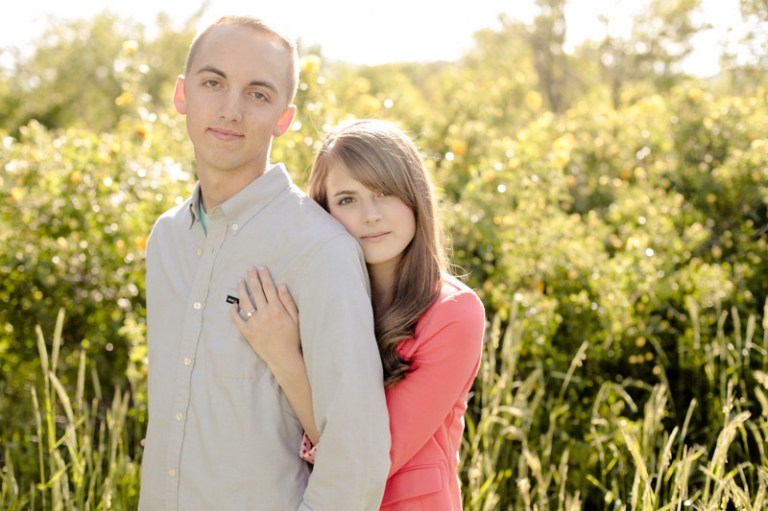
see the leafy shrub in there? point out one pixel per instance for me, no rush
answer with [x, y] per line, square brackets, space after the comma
[616, 244]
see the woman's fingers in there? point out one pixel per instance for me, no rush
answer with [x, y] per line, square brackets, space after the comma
[257, 291]
[267, 285]
[246, 304]
[237, 319]
[287, 300]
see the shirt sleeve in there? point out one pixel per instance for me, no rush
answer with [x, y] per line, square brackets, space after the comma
[444, 366]
[345, 373]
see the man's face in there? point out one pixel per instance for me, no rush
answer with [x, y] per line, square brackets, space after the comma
[235, 99]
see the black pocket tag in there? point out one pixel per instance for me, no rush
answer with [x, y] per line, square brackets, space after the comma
[232, 299]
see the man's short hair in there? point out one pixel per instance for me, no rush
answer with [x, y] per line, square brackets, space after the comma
[260, 26]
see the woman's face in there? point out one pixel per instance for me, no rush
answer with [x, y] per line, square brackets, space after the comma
[382, 224]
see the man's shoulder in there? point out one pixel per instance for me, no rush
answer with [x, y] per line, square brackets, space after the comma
[175, 214]
[308, 217]
[168, 224]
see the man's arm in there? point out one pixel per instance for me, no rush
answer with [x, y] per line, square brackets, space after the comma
[344, 367]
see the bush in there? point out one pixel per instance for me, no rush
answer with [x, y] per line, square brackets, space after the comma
[616, 245]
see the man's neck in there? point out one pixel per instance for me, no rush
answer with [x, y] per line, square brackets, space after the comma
[219, 187]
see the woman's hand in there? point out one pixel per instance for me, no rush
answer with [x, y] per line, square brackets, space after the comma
[271, 323]
[271, 326]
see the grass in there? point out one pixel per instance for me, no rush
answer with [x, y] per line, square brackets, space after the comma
[82, 449]
[517, 452]
[514, 456]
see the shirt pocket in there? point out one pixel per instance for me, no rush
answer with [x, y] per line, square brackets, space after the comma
[420, 487]
[227, 352]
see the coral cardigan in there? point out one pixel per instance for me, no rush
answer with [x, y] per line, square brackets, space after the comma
[426, 409]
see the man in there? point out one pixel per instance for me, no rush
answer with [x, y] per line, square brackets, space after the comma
[221, 433]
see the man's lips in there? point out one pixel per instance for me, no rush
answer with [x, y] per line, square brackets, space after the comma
[225, 134]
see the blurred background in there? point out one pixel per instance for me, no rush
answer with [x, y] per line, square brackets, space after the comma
[603, 175]
[364, 32]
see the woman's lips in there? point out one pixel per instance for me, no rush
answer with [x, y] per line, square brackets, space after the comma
[375, 236]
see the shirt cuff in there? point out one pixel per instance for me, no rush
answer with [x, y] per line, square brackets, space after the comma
[308, 449]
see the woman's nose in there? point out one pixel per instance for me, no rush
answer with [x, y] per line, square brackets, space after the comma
[371, 213]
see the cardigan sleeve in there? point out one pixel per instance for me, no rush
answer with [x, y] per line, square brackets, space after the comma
[445, 361]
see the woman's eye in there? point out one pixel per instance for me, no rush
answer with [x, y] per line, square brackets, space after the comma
[345, 201]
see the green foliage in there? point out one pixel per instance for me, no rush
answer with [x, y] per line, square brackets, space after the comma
[616, 243]
[75, 213]
[520, 453]
[76, 76]
[81, 456]
[652, 55]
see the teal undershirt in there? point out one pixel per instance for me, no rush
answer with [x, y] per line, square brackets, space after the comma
[203, 217]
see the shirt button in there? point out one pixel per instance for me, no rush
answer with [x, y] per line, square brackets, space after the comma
[197, 306]
[172, 473]
[200, 252]
[235, 227]
[179, 416]
[187, 361]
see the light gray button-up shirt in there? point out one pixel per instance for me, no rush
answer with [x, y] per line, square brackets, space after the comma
[221, 434]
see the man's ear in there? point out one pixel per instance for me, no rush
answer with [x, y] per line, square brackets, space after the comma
[284, 121]
[179, 96]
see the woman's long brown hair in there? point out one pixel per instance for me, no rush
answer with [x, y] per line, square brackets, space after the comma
[382, 157]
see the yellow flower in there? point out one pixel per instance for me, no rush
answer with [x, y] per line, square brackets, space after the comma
[124, 99]
[141, 242]
[458, 147]
[695, 93]
[533, 100]
[310, 63]
[130, 47]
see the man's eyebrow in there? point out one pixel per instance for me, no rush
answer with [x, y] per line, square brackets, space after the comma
[211, 69]
[265, 83]
[257, 83]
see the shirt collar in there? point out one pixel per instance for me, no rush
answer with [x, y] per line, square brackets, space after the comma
[246, 203]
[194, 206]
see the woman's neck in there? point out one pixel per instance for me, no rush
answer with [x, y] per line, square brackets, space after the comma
[383, 283]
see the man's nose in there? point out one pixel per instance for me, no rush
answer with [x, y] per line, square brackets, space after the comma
[231, 109]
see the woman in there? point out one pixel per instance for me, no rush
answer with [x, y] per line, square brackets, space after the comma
[429, 326]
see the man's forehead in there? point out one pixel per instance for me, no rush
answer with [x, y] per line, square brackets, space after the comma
[248, 53]
[222, 40]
